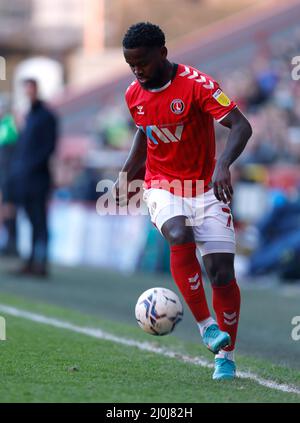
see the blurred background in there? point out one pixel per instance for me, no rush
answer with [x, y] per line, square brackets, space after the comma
[72, 48]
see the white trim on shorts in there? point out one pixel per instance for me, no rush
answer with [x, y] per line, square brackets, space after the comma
[210, 247]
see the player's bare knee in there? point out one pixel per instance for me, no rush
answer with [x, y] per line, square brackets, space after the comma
[179, 235]
[222, 276]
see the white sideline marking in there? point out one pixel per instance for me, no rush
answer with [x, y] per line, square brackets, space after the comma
[144, 346]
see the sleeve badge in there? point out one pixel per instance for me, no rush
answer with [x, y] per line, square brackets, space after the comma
[221, 98]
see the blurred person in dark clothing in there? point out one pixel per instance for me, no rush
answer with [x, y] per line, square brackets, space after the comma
[8, 138]
[30, 176]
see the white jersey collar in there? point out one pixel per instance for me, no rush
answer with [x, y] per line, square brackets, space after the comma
[157, 90]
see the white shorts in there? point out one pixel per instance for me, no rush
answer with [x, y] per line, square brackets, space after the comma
[210, 218]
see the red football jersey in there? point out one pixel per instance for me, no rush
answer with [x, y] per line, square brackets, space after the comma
[178, 122]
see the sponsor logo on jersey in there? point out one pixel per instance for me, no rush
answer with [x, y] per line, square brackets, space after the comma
[177, 106]
[221, 98]
[154, 133]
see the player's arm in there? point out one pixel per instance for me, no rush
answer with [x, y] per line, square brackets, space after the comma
[134, 163]
[240, 132]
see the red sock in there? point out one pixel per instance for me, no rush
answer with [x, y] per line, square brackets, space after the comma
[226, 303]
[186, 272]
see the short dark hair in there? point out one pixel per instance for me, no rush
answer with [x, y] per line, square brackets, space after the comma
[144, 34]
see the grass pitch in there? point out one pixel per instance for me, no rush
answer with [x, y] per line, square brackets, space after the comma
[41, 363]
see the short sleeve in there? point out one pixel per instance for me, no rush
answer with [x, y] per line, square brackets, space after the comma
[210, 98]
[127, 100]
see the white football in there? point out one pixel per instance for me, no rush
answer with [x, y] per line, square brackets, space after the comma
[158, 311]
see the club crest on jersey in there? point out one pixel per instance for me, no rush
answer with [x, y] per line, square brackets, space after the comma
[177, 106]
[221, 98]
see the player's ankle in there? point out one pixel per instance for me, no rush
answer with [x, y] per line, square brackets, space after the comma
[204, 324]
[225, 354]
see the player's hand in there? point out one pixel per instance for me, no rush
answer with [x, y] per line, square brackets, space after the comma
[222, 183]
[120, 194]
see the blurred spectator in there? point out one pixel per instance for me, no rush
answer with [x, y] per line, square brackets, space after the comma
[279, 239]
[269, 96]
[264, 90]
[30, 175]
[113, 128]
[8, 138]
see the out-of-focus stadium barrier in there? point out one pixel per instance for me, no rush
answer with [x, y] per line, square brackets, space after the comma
[78, 236]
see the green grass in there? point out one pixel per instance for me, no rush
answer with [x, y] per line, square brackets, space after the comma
[266, 313]
[40, 363]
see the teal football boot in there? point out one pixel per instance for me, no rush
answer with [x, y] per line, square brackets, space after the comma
[225, 369]
[215, 339]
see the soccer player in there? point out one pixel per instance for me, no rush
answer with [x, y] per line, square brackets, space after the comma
[173, 106]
